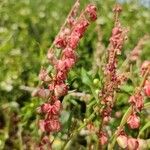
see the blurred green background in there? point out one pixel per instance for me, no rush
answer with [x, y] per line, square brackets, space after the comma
[27, 29]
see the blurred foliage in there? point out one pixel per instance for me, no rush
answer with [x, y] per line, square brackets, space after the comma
[27, 29]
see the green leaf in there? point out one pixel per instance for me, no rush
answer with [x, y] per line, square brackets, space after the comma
[85, 78]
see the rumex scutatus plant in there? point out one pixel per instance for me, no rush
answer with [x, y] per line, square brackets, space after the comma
[53, 87]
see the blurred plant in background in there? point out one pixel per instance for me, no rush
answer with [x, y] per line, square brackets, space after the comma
[27, 29]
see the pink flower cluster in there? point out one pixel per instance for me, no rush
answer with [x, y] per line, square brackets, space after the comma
[113, 79]
[117, 38]
[137, 103]
[137, 100]
[55, 84]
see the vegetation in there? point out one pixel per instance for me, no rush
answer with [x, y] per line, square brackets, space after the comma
[27, 30]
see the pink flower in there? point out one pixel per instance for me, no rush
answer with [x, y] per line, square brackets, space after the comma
[69, 53]
[55, 109]
[103, 138]
[133, 121]
[117, 38]
[91, 11]
[133, 144]
[60, 90]
[80, 28]
[65, 65]
[73, 41]
[147, 88]
[69, 63]
[61, 65]
[60, 42]
[51, 86]
[45, 108]
[137, 101]
[61, 75]
[106, 119]
[116, 31]
[52, 125]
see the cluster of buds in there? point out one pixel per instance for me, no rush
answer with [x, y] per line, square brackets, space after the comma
[126, 142]
[113, 78]
[56, 86]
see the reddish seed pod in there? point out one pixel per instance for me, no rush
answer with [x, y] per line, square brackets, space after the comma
[137, 101]
[52, 125]
[60, 42]
[133, 144]
[103, 138]
[133, 121]
[91, 11]
[73, 41]
[60, 90]
[55, 109]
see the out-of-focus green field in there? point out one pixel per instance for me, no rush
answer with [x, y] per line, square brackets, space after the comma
[27, 29]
